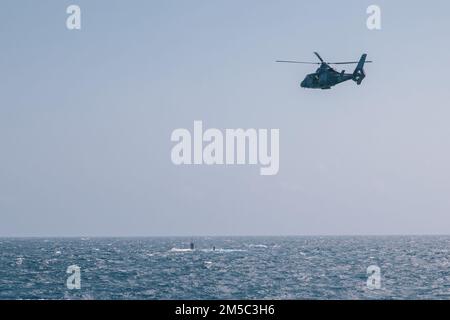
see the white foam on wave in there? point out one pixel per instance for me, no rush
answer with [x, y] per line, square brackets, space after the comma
[257, 246]
[207, 250]
[223, 250]
[181, 250]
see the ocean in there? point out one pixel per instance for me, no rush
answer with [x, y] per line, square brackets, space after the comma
[410, 267]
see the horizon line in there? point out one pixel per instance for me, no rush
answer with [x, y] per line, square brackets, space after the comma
[229, 236]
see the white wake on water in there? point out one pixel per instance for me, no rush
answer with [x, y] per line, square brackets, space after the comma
[180, 250]
[206, 250]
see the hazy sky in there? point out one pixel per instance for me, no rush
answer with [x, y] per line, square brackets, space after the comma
[86, 118]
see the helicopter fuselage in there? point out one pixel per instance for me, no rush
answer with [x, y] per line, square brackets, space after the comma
[324, 78]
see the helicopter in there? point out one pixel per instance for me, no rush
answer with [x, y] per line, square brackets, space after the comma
[326, 77]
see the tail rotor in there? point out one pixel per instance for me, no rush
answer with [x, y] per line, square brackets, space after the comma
[359, 74]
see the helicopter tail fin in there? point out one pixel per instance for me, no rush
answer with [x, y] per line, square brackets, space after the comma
[358, 74]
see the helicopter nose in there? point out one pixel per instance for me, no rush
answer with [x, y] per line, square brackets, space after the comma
[303, 83]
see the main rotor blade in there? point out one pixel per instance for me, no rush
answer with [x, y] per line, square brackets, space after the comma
[304, 62]
[289, 61]
[349, 62]
[320, 58]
